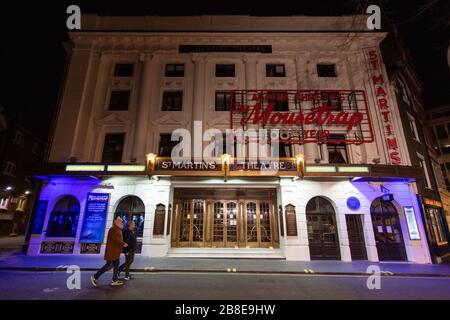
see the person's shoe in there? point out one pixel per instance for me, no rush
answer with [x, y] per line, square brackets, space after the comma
[128, 278]
[93, 281]
[116, 283]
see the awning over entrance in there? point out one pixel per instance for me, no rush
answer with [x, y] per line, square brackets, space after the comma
[285, 167]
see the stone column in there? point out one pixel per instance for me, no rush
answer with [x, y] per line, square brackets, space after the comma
[251, 83]
[198, 105]
[250, 72]
[303, 82]
[82, 121]
[98, 106]
[143, 109]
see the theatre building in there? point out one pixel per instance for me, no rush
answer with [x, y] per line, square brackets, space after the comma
[302, 150]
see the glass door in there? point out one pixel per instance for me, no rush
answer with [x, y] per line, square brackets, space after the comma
[251, 216]
[231, 224]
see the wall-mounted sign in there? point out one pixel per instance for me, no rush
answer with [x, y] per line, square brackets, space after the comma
[412, 223]
[63, 247]
[41, 209]
[90, 248]
[353, 203]
[94, 219]
[432, 202]
[381, 96]
[167, 164]
[225, 48]
[304, 115]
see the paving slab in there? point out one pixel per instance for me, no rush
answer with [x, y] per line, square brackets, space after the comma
[149, 264]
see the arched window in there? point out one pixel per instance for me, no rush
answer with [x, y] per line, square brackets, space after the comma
[379, 206]
[132, 208]
[319, 205]
[63, 220]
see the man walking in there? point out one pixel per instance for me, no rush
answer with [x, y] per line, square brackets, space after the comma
[114, 245]
[129, 237]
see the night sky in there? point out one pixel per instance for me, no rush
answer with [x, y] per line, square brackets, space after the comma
[33, 59]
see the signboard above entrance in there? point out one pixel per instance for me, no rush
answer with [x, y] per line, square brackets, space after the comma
[222, 48]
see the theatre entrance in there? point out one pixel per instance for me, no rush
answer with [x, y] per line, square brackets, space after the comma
[225, 218]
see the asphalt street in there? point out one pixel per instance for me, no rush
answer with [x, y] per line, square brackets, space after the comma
[175, 286]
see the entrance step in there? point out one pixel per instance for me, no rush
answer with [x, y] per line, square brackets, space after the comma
[263, 253]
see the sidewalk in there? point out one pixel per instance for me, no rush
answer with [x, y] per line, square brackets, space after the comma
[146, 264]
[11, 245]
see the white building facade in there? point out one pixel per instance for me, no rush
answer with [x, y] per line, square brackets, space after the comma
[132, 81]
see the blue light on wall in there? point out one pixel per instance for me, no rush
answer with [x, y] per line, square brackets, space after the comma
[353, 203]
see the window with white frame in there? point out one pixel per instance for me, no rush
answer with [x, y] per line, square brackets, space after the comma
[18, 138]
[9, 169]
[423, 165]
[413, 127]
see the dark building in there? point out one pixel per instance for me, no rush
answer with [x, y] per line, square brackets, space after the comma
[20, 152]
[408, 93]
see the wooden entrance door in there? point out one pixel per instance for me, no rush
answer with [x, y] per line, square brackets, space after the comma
[387, 231]
[191, 225]
[225, 223]
[356, 237]
[322, 230]
[231, 221]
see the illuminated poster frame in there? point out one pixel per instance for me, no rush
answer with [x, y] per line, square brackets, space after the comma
[413, 229]
[94, 220]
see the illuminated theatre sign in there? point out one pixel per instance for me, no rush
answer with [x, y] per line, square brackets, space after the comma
[303, 116]
[381, 95]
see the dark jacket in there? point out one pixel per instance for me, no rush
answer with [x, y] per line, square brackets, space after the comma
[129, 237]
[114, 244]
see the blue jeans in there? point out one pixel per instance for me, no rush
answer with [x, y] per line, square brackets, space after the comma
[114, 264]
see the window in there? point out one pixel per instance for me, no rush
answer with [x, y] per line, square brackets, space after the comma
[326, 70]
[425, 170]
[412, 127]
[280, 99]
[63, 221]
[445, 150]
[35, 149]
[172, 100]
[285, 149]
[225, 70]
[436, 224]
[132, 208]
[223, 101]
[18, 138]
[331, 99]
[113, 147]
[440, 132]
[174, 70]
[166, 145]
[123, 70]
[448, 126]
[9, 169]
[337, 151]
[275, 70]
[119, 100]
[436, 115]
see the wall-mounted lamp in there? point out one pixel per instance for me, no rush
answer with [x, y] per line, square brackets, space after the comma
[300, 164]
[226, 160]
[151, 162]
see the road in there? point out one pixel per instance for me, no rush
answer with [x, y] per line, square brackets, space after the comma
[174, 286]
